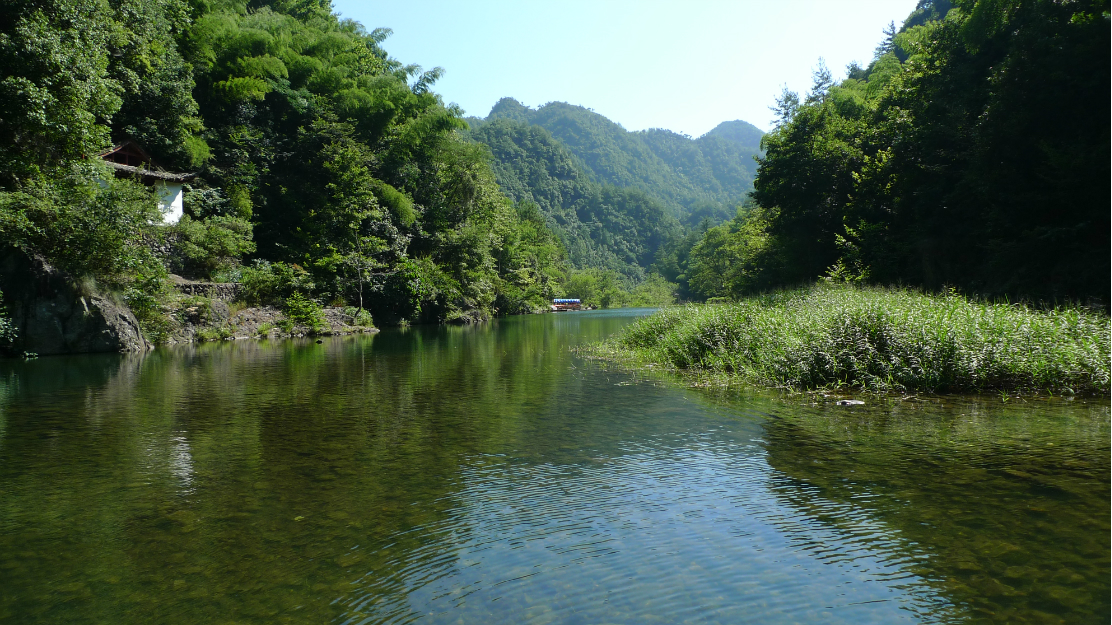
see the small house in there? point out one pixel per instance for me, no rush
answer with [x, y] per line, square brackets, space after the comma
[131, 161]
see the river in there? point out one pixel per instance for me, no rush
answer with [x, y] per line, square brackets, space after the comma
[488, 474]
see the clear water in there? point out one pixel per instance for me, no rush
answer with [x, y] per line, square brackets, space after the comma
[489, 475]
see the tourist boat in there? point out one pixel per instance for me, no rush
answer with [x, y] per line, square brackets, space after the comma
[560, 305]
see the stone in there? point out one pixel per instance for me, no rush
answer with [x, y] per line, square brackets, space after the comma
[54, 314]
[849, 402]
[221, 291]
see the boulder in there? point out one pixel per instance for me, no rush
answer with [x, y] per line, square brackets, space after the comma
[53, 314]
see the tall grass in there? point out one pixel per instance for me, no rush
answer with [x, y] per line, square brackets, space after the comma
[879, 340]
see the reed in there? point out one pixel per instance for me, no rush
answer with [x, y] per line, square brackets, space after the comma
[878, 339]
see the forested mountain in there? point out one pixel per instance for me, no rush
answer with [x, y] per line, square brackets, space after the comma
[738, 131]
[972, 152]
[619, 201]
[684, 174]
[601, 226]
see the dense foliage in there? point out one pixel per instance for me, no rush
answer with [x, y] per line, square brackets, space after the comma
[7, 330]
[681, 173]
[315, 153]
[968, 153]
[972, 152]
[627, 203]
[601, 227]
[838, 335]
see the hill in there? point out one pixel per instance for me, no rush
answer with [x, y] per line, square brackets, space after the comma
[707, 176]
[738, 131]
[601, 226]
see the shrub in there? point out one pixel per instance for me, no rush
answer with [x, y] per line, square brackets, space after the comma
[303, 311]
[359, 316]
[196, 310]
[8, 332]
[272, 283]
[880, 339]
[145, 297]
[214, 334]
[208, 247]
[87, 223]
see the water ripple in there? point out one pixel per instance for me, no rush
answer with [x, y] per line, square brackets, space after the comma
[683, 530]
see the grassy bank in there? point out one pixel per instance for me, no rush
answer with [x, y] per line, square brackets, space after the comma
[878, 340]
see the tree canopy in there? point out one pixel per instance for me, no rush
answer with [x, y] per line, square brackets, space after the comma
[312, 148]
[970, 153]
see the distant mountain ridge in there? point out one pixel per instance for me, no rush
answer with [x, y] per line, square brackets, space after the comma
[613, 196]
[738, 131]
[685, 175]
[601, 226]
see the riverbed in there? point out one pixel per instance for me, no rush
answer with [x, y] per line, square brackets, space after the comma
[487, 474]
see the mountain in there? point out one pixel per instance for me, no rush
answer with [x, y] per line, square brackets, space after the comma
[740, 132]
[707, 176]
[600, 225]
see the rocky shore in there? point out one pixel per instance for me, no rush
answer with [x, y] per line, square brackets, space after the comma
[53, 313]
[214, 320]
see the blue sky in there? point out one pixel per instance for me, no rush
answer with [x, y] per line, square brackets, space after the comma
[685, 66]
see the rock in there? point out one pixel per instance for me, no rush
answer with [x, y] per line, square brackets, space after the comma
[219, 322]
[53, 314]
[222, 291]
[849, 402]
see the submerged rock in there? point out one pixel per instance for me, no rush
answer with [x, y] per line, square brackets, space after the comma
[849, 402]
[53, 314]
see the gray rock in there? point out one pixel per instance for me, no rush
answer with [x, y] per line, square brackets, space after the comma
[225, 291]
[849, 402]
[53, 314]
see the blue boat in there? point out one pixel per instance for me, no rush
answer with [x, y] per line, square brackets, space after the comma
[563, 304]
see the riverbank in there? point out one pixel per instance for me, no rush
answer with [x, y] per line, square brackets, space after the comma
[206, 319]
[875, 339]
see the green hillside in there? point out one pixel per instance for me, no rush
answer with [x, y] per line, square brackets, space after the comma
[601, 226]
[684, 174]
[738, 131]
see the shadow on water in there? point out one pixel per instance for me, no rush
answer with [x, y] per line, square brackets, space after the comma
[486, 474]
[998, 507]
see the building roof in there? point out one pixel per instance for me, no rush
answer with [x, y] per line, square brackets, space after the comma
[128, 158]
[150, 175]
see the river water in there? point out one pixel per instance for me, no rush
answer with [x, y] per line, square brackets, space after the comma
[489, 475]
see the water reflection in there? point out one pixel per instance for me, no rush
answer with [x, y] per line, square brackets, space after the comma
[1000, 502]
[487, 475]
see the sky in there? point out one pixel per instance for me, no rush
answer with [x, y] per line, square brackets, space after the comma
[681, 65]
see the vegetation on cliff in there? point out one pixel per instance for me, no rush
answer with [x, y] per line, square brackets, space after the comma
[968, 153]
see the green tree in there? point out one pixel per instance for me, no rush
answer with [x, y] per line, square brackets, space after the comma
[968, 153]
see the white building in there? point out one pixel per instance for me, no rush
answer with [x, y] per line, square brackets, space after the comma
[130, 160]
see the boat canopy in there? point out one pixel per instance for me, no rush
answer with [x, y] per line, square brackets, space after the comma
[565, 301]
